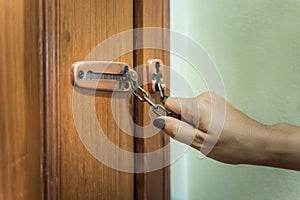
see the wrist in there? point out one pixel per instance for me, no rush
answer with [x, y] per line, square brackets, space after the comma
[269, 148]
[261, 149]
[280, 148]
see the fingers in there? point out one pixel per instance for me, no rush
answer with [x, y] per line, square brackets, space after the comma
[181, 131]
[188, 108]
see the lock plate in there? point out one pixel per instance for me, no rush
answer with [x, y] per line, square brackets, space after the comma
[100, 75]
[154, 68]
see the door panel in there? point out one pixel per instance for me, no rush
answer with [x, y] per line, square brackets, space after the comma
[79, 26]
[72, 29]
[19, 101]
[84, 24]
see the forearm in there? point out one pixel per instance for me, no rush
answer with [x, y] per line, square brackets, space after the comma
[282, 147]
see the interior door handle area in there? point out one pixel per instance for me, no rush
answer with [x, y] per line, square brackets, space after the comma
[116, 76]
[100, 75]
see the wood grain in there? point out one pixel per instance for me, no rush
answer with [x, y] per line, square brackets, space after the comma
[152, 185]
[19, 101]
[72, 30]
[50, 161]
[39, 41]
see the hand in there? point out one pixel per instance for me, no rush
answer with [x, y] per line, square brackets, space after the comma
[234, 138]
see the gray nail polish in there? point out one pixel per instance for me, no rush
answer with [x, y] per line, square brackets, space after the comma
[159, 123]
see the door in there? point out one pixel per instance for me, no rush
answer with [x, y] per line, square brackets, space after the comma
[20, 142]
[70, 30]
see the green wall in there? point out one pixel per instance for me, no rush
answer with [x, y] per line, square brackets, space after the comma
[256, 46]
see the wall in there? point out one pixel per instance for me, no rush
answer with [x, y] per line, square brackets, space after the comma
[256, 46]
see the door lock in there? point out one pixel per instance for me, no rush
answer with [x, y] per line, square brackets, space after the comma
[100, 75]
[155, 71]
[116, 76]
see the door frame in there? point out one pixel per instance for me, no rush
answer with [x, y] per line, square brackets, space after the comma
[49, 104]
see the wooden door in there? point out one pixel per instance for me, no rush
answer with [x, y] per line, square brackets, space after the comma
[42, 154]
[20, 141]
[72, 30]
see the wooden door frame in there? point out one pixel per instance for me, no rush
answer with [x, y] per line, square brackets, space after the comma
[152, 185]
[49, 102]
[50, 147]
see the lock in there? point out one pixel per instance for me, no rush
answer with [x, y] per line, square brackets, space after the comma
[100, 75]
[155, 73]
[116, 76]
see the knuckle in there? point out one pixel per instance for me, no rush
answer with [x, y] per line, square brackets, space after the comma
[204, 100]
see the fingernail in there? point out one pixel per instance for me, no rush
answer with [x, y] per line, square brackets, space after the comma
[159, 123]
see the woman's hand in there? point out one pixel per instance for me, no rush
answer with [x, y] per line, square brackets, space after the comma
[230, 137]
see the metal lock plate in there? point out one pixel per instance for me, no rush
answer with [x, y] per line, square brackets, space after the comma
[100, 75]
[155, 73]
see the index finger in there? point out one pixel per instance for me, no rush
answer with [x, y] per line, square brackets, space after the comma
[188, 108]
